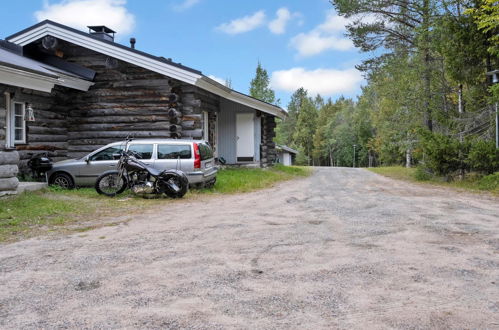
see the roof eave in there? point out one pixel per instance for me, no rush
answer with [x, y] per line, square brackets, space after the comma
[229, 94]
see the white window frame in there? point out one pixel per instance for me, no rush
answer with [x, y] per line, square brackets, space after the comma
[11, 122]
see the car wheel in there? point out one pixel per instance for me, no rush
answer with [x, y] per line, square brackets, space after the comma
[62, 180]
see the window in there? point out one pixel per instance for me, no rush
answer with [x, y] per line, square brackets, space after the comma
[143, 151]
[205, 151]
[106, 154]
[174, 151]
[16, 133]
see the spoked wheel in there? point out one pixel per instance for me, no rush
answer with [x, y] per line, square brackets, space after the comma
[110, 184]
[174, 186]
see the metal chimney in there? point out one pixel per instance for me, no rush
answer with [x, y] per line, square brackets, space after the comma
[132, 42]
[102, 32]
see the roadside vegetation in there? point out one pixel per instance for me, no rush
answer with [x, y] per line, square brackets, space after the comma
[45, 211]
[429, 96]
[473, 182]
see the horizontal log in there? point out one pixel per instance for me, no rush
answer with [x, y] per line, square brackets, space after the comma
[118, 135]
[83, 148]
[93, 142]
[119, 119]
[124, 111]
[188, 124]
[36, 138]
[9, 157]
[8, 171]
[48, 130]
[9, 184]
[49, 146]
[161, 125]
[47, 114]
[196, 133]
[163, 83]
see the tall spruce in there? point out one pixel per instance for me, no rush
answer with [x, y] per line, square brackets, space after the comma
[259, 87]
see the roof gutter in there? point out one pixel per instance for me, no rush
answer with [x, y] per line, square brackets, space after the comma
[26, 79]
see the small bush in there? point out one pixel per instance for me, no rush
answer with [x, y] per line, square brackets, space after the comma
[422, 174]
[483, 156]
[443, 154]
[489, 182]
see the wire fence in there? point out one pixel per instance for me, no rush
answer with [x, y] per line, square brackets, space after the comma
[478, 123]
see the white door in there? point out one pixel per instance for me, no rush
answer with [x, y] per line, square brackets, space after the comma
[245, 131]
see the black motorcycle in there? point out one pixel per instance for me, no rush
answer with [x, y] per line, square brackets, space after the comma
[141, 178]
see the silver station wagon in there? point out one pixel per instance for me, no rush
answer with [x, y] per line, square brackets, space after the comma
[193, 157]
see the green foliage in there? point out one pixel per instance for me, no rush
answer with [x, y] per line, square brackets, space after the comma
[259, 87]
[422, 174]
[489, 182]
[306, 126]
[442, 153]
[286, 128]
[486, 16]
[483, 156]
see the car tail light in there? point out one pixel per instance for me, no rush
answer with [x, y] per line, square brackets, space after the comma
[197, 156]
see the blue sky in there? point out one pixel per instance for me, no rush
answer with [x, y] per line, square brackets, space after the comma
[299, 42]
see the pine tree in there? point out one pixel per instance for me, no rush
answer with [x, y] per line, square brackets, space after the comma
[259, 87]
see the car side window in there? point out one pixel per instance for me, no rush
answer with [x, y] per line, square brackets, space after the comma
[205, 151]
[106, 154]
[174, 151]
[143, 151]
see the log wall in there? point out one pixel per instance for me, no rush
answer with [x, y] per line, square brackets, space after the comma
[8, 172]
[129, 100]
[268, 151]
[48, 133]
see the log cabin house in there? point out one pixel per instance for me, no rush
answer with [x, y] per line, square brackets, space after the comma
[69, 92]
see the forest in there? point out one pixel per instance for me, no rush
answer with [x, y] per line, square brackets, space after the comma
[429, 98]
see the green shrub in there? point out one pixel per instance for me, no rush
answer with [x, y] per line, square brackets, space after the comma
[422, 174]
[489, 182]
[443, 154]
[483, 156]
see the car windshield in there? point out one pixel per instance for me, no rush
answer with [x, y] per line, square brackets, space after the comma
[106, 154]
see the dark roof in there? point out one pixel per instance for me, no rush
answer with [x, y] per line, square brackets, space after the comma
[286, 148]
[100, 28]
[157, 58]
[15, 59]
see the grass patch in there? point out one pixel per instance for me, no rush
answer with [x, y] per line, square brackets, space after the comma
[35, 213]
[474, 183]
[237, 180]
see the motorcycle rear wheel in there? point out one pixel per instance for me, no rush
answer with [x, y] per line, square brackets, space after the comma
[179, 181]
[110, 184]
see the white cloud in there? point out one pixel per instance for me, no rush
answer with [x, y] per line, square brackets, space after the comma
[326, 36]
[217, 79]
[186, 4]
[278, 25]
[326, 82]
[243, 24]
[81, 13]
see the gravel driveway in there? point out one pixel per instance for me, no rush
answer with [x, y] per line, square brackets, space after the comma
[344, 248]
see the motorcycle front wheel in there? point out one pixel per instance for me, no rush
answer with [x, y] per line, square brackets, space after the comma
[110, 184]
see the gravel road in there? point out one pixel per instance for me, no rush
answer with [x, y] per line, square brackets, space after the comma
[344, 248]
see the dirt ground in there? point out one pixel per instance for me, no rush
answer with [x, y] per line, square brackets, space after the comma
[344, 248]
